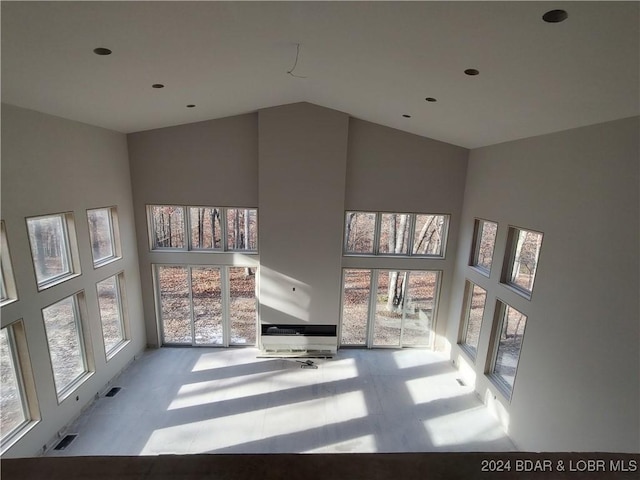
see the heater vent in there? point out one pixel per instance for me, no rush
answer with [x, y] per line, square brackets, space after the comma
[113, 392]
[65, 442]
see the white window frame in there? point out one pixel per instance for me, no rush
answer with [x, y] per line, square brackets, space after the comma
[478, 228]
[69, 251]
[412, 225]
[511, 251]
[122, 312]
[464, 321]
[6, 270]
[85, 347]
[21, 361]
[188, 243]
[114, 233]
[500, 313]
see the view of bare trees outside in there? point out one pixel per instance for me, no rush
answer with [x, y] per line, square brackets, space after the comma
[525, 259]
[484, 244]
[404, 305]
[359, 232]
[400, 233]
[101, 234]
[110, 313]
[475, 310]
[206, 229]
[242, 229]
[394, 233]
[355, 307]
[167, 226]
[242, 306]
[206, 301]
[49, 248]
[510, 344]
[429, 235]
[12, 413]
[62, 326]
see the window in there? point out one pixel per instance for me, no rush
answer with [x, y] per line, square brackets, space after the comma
[475, 298]
[210, 305]
[17, 407]
[167, 224]
[203, 228]
[400, 314]
[103, 232]
[523, 250]
[242, 229]
[508, 334]
[8, 291]
[111, 313]
[206, 231]
[65, 337]
[484, 233]
[402, 234]
[359, 232]
[54, 248]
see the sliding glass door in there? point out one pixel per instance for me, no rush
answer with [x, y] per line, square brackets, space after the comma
[399, 314]
[205, 305]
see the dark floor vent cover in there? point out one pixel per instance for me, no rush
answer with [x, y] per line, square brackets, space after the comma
[65, 442]
[113, 392]
[459, 380]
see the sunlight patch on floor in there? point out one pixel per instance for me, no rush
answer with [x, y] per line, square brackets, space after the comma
[472, 425]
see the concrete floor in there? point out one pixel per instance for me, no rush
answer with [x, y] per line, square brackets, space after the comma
[205, 400]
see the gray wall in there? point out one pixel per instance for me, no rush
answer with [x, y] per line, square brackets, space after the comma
[212, 163]
[51, 165]
[577, 386]
[303, 156]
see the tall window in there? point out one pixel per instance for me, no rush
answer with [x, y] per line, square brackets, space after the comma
[53, 248]
[521, 264]
[401, 234]
[355, 306]
[67, 350]
[475, 299]
[103, 232]
[8, 291]
[484, 233]
[203, 228]
[111, 313]
[14, 411]
[508, 334]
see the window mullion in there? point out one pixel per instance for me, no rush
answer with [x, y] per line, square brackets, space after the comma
[373, 295]
[226, 300]
[190, 283]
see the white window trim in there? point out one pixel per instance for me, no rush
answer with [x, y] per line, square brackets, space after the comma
[113, 351]
[115, 237]
[464, 322]
[478, 227]
[8, 280]
[506, 277]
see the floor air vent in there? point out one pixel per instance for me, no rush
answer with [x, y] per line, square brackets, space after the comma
[113, 392]
[65, 442]
[459, 380]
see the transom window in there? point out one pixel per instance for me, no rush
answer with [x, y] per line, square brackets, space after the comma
[484, 241]
[474, 301]
[521, 262]
[203, 228]
[66, 341]
[506, 345]
[103, 232]
[398, 234]
[54, 248]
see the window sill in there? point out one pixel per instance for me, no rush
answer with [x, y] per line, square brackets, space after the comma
[15, 437]
[482, 271]
[468, 351]
[117, 349]
[57, 281]
[504, 388]
[517, 290]
[105, 261]
[68, 391]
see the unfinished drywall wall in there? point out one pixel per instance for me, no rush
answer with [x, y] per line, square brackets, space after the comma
[577, 386]
[212, 163]
[393, 171]
[303, 156]
[52, 165]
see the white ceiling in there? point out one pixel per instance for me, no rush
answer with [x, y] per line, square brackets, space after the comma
[373, 60]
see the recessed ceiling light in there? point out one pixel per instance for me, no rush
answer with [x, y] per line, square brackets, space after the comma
[406, 116]
[157, 85]
[431, 99]
[191, 105]
[102, 51]
[555, 16]
[471, 71]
